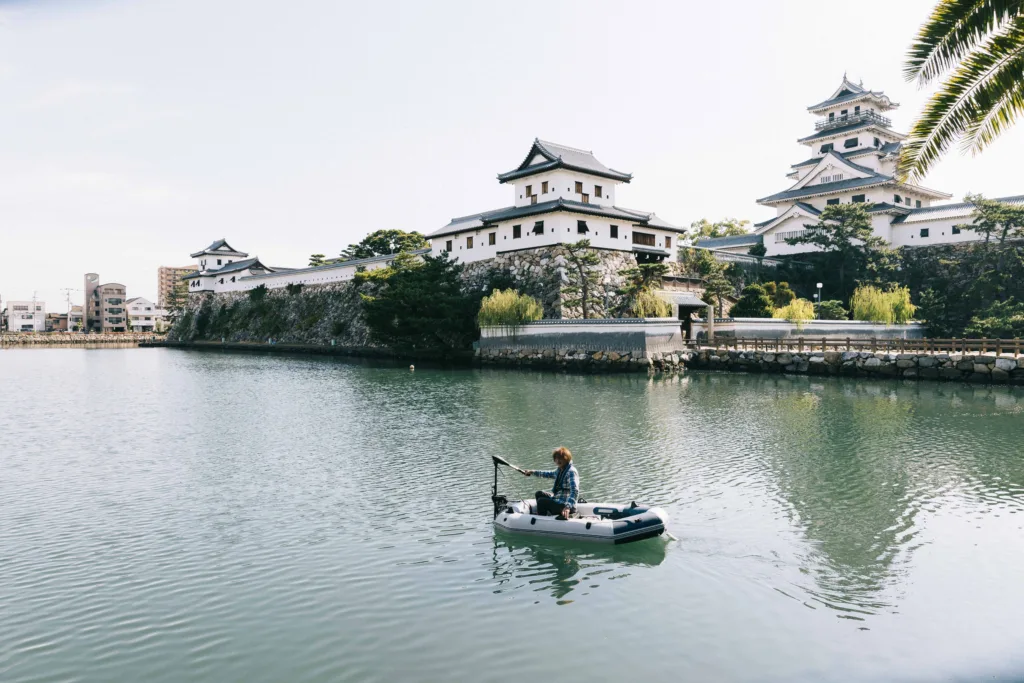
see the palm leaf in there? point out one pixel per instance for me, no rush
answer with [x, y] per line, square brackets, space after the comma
[954, 29]
[974, 104]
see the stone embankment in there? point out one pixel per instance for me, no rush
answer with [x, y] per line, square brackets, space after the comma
[580, 360]
[932, 366]
[73, 338]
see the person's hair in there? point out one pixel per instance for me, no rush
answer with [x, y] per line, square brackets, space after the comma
[564, 452]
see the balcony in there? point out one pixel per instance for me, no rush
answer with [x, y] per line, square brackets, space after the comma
[850, 119]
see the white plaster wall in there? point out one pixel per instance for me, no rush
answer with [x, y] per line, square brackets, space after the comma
[562, 184]
[939, 232]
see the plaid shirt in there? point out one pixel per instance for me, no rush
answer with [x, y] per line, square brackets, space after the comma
[566, 488]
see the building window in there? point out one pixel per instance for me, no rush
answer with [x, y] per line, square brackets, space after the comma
[856, 110]
[878, 143]
[232, 279]
[826, 148]
[956, 230]
[908, 201]
[533, 199]
[597, 190]
[544, 187]
[858, 199]
[579, 187]
[613, 232]
[538, 228]
[832, 201]
[585, 198]
[898, 199]
[492, 238]
[852, 142]
[517, 231]
[668, 241]
[917, 204]
[581, 227]
[830, 178]
[222, 280]
[844, 113]
[924, 232]
[831, 116]
[469, 242]
[643, 238]
[448, 245]
[529, 190]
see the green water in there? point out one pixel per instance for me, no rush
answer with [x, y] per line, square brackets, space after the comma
[187, 516]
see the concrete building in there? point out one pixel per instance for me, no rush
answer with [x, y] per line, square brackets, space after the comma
[560, 195]
[56, 322]
[166, 279]
[144, 315]
[76, 322]
[104, 307]
[853, 153]
[26, 316]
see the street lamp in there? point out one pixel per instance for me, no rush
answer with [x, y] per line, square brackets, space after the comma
[819, 293]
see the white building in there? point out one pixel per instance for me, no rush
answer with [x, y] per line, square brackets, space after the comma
[221, 268]
[26, 316]
[144, 315]
[561, 195]
[853, 155]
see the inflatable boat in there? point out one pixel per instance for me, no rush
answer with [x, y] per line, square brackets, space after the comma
[594, 522]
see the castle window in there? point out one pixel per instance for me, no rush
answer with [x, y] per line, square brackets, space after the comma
[613, 232]
[517, 231]
[448, 245]
[492, 238]
[852, 142]
[585, 198]
[643, 238]
[826, 148]
[538, 228]
[831, 202]
[533, 199]
[597, 190]
[844, 113]
[668, 241]
[218, 262]
[529, 190]
[956, 230]
[581, 227]
[544, 187]
[858, 199]
[469, 242]
[924, 232]
[579, 187]
[232, 279]
[918, 204]
[898, 199]
[222, 280]
[856, 110]
[878, 143]
[831, 116]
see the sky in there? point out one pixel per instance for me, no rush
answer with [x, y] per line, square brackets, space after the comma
[133, 133]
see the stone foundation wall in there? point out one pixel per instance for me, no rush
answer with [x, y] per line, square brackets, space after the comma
[938, 366]
[70, 338]
[581, 360]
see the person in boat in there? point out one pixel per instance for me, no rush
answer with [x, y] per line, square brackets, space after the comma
[562, 499]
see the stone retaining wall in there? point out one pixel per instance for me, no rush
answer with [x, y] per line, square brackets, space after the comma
[66, 338]
[581, 360]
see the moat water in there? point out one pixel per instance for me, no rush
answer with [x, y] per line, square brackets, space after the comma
[172, 515]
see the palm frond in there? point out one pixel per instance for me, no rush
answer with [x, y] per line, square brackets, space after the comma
[954, 29]
[1000, 98]
[961, 106]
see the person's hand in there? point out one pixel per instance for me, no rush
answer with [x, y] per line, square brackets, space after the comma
[565, 513]
[527, 473]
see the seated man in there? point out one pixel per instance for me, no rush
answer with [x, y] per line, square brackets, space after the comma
[562, 499]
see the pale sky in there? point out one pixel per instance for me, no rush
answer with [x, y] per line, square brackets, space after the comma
[136, 132]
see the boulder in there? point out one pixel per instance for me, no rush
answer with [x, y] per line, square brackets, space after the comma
[816, 360]
[849, 355]
[768, 358]
[784, 358]
[981, 369]
[1006, 364]
[950, 373]
[612, 356]
[965, 365]
[910, 372]
[873, 363]
[905, 363]
[929, 373]
[985, 359]
[927, 361]
[1000, 375]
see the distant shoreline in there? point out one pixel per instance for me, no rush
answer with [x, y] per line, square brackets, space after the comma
[33, 339]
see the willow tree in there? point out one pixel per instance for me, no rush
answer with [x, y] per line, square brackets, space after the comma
[976, 49]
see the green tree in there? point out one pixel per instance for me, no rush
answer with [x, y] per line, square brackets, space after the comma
[176, 299]
[977, 48]
[583, 279]
[754, 302]
[701, 263]
[1000, 320]
[830, 310]
[639, 281]
[384, 242]
[758, 250]
[780, 293]
[423, 306]
[317, 260]
[728, 227]
[843, 232]
[993, 217]
[509, 308]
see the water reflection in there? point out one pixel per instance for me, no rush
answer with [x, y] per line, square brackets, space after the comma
[560, 568]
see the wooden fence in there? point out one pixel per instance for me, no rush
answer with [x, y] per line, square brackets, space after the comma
[975, 346]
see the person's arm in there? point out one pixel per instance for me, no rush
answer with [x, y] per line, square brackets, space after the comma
[574, 488]
[547, 474]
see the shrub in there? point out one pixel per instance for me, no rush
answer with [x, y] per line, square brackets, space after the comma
[508, 307]
[753, 303]
[647, 304]
[780, 293]
[293, 289]
[796, 311]
[830, 310]
[1001, 320]
[874, 305]
[258, 293]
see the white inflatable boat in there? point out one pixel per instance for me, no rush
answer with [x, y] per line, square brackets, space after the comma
[597, 522]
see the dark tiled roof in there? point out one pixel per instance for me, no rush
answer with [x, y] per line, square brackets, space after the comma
[841, 130]
[848, 91]
[732, 241]
[808, 208]
[958, 210]
[232, 267]
[561, 156]
[338, 264]
[844, 155]
[479, 220]
[217, 245]
[828, 188]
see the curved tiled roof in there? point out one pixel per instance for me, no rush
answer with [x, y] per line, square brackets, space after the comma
[731, 241]
[943, 211]
[562, 156]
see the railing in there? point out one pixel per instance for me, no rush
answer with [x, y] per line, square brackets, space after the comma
[863, 116]
[791, 234]
[873, 345]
